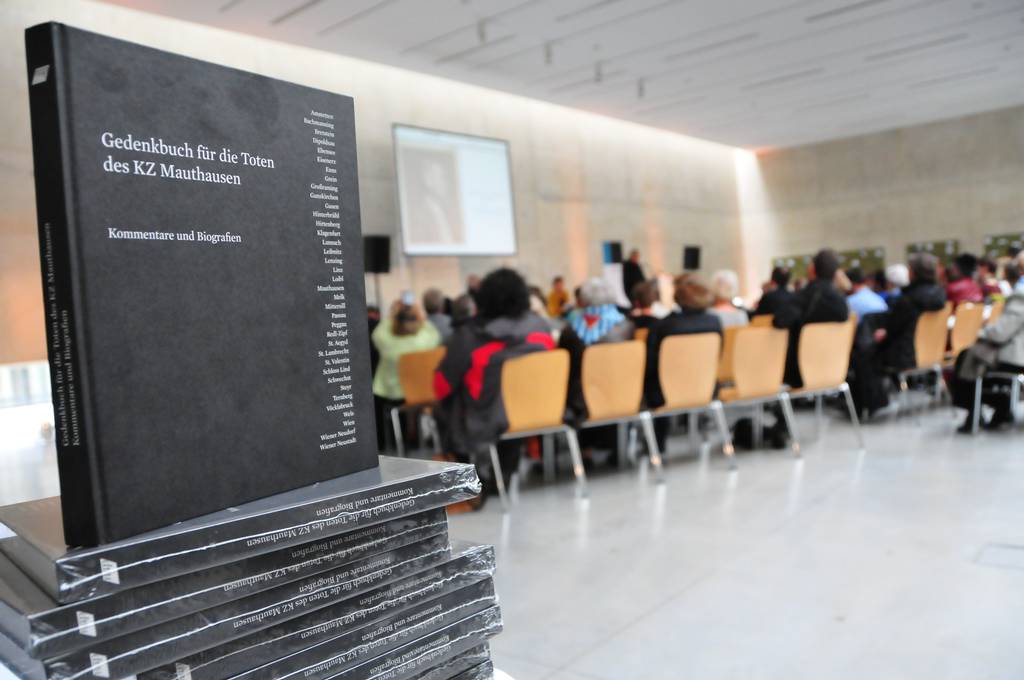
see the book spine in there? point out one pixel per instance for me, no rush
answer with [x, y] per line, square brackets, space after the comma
[472, 665]
[101, 572]
[152, 647]
[66, 629]
[48, 102]
[266, 646]
[335, 656]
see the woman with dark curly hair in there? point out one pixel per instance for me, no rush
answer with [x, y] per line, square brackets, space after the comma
[467, 384]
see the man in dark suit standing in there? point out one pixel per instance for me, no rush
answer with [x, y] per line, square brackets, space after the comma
[632, 273]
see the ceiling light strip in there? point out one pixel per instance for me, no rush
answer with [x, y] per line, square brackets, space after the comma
[362, 14]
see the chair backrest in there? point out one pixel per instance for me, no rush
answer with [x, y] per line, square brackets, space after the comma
[930, 336]
[967, 321]
[687, 369]
[416, 375]
[824, 353]
[641, 334]
[534, 388]
[995, 311]
[725, 362]
[762, 320]
[759, 361]
[613, 379]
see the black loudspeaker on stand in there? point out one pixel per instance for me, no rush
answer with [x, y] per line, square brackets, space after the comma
[377, 260]
[691, 258]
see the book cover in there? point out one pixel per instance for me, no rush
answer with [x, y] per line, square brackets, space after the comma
[472, 665]
[164, 643]
[345, 651]
[429, 651]
[202, 279]
[54, 630]
[469, 564]
[398, 487]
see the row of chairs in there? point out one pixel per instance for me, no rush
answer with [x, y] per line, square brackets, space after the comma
[535, 386]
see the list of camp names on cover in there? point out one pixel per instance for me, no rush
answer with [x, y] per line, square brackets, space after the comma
[335, 362]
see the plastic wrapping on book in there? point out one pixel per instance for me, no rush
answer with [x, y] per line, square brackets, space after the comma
[397, 488]
[336, 626]
[162, 644]
[473, 665]
[56, 630]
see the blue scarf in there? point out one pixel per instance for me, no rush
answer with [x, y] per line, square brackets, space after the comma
[593, 323]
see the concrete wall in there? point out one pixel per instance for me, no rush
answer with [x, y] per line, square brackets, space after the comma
[962, 179]
[578, 178]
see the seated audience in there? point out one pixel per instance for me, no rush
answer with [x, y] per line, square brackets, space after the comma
[897, 278]
[694, 298]
[862, 300]
[645, 298]
[538, 304]
[895, 339]
[598, 319]
[404, 332]
[473, 285]
[725, 286]
[1000, 347]
[820, 301]
[962, 287]
[433, 305]
[992, 288]
[463, 310]
[558, 298]
[467, 383]
[776, 293]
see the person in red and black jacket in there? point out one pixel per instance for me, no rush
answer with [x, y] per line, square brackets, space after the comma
[467, 383]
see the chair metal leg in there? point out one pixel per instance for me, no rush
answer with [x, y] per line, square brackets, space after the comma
[647, 423]
[757, 426]
[976, 416]
[787, 414]
[819, 416]
[845, 389]
[631, 443]
[499, 477]
[577, 460]
[723, 429]
[693, 430]
[547, 447]
[396, 425]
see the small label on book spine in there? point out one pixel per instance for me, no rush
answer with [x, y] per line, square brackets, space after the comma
[86, 624]
[108, 569]
[182, 671]
[100, 669]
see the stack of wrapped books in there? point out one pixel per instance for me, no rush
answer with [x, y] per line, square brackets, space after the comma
[352, 578]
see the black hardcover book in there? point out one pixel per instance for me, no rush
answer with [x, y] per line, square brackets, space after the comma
[152, 647]
[331, 657]
[397, 488]
[45, 629]
[203, 282]
[429, 651]
[468, 564]
[472, 665]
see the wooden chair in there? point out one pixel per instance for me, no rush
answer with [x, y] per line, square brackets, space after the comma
[687, 371]
[824, 360]
[416, 376]
[641, 334]
[995, 310]
[967, 322]
[762, 320]
[613, 389]
[725, 357]
[930, 337]
[534, 388]
[758, 368]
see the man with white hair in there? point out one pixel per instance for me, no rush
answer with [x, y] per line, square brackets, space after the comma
[598, 319]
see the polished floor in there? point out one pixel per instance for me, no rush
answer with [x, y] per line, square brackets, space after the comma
[906, 561]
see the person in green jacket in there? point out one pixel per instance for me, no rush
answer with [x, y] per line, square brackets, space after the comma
[403, 332]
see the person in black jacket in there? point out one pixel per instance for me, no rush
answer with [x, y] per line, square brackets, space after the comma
[817, 302]
[632, 273]
[777, 293]
[694, 298]
[895, 338]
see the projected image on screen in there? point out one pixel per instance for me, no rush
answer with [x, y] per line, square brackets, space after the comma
[454, 193]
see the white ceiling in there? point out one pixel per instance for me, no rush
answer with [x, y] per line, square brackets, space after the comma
[751, 73]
